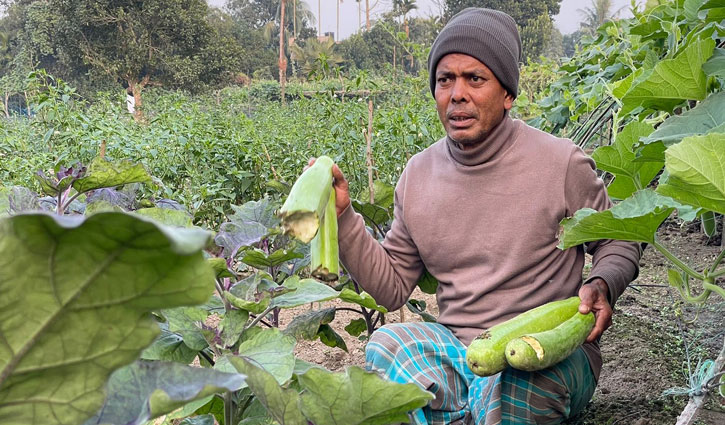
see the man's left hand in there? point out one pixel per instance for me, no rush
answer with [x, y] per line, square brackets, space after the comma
[594, 299]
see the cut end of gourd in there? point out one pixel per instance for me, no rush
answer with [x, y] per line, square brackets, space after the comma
[324, 274]
[301, 225]
[485, 335]
[534, 344]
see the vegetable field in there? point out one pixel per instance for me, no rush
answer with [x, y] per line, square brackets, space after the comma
[145, 276]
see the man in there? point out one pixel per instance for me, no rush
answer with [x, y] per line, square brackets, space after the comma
[480, 209]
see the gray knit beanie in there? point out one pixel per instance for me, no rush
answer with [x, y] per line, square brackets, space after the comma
[488, 35]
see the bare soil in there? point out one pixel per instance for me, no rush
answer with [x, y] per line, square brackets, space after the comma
[654, 339]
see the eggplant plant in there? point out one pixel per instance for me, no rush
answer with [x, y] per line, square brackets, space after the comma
[122, 304]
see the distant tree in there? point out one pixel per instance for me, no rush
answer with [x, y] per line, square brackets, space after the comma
[168, 42]
[520, 10]
[317, 59]
[599, 12]
[402, 8]
[258, 21]
[258, 14]
[371, 50]
[533, 17]
[570, 43]
[555, 48]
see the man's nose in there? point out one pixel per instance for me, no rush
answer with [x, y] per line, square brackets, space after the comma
[459, 91]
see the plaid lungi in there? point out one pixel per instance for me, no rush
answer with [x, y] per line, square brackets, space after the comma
[429, 355]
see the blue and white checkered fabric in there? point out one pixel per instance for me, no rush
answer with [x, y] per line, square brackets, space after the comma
[429, 355]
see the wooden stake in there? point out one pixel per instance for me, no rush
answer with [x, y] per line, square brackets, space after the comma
[369, 160]
[282, 57]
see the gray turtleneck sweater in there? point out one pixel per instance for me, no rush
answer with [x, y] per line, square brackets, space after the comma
[484, 222]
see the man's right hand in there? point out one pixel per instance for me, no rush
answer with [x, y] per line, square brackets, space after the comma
[339, 183]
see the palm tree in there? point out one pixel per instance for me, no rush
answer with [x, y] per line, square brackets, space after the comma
[316, 59]
[597, 14]
[402, 8]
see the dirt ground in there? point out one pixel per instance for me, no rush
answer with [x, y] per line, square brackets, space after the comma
[645, 351]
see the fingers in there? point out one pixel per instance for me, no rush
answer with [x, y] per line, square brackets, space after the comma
[340, 180]
[588, 295]
[602, 323]
[595, 300]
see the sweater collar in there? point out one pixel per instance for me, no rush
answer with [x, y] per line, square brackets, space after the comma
[489, 147]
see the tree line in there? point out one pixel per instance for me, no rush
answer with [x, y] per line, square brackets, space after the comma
[186, 44]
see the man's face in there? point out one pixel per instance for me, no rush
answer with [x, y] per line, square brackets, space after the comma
[469, 98]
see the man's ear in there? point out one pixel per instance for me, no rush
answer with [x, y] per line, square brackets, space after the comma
[508, 101]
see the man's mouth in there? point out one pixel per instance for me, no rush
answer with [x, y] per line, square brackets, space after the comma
[460, 120]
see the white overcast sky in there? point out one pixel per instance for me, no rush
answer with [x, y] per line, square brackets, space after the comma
[567, 20]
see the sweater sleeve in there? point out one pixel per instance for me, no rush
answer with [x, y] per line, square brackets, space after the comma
[388, 271]
[616, 262]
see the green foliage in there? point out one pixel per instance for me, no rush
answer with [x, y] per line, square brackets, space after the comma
[317, 59]
[90, 307]
[145, 390]
[92, 43]
[210, 152]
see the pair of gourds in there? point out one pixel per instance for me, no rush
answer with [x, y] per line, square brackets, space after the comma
[533, 340]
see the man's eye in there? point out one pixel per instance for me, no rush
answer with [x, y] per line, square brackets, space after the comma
[442, 79]
[476, 78]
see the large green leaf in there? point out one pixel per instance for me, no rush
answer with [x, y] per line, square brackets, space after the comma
[329, 337]
[716, 10]
[619, 159]
[304, 291]
[272, 350]
[384, 194]
[261, 212]
[199, 420]
[364, 299]
[187, 322]
[634, 219]
[692, 8]
[621, 87]
[315, 324]
[307, 325]
[696, 169]
[102, 173]
[259, 259]
[248, 225]
[220, 267]
[374, 215]
[4, 201]
[76, 293]
[167, 216]
[282, 403]
[253, 294]
[232, 326]
[672, 81]
[357, 397]
[427, 283]
[707, 117]
[169, 346]
[145, 390]
[715, 66]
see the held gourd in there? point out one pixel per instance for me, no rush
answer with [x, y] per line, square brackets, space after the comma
[486, 354]
[540, 350]
[305, 205]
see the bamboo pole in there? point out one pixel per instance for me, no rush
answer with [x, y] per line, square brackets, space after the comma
[369, 151]
[282, 57]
